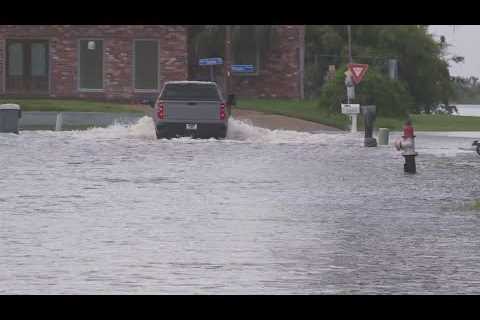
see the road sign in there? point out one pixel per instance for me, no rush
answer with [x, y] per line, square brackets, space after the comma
[350, 108]
[357, 71]
[210, 61]
[243, 68]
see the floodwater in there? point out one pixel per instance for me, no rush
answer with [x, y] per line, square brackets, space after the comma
[113, 210]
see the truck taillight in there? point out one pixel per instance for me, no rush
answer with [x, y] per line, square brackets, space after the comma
[222, 111]
[161, 110]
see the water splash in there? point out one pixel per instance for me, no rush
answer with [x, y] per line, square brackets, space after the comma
[240, 130]
[144, 128]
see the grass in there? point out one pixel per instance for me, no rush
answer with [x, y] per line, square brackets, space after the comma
[309, 110]
[301, 109]
[70, 105]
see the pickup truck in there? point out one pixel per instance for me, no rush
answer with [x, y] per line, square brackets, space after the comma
[191, 108]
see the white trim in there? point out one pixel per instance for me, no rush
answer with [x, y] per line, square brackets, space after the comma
[79, 89]
[186, 81]
[133, 67]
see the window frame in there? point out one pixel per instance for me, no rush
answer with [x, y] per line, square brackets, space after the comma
[134, 82]
[4, 64]
[79, 49]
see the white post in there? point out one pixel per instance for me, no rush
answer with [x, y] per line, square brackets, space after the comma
[354, 123]
[58, 124]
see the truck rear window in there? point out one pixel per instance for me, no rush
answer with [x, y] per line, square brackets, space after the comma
[190, 91]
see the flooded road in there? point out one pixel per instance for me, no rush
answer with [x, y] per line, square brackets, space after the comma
[113, 210]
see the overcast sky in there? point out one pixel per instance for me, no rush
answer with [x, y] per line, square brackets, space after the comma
[464, 41]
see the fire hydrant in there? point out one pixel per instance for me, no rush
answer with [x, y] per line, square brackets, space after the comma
[407, 144]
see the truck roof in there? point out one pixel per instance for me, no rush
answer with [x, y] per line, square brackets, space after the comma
[193, 82]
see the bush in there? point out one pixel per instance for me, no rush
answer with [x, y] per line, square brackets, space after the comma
[390, 96]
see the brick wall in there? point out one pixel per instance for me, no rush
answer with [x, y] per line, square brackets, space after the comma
[118, 59]
[279, 75]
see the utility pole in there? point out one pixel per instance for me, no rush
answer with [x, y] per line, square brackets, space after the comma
[351, 86]
[302, 63]
[349, 31]
[228, 59]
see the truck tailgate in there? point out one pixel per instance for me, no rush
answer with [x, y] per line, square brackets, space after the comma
[192, 110]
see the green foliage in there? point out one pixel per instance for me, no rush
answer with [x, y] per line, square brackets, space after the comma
[391, 97]
[309, 110]
[421, 62]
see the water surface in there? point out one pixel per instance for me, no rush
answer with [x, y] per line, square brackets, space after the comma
[113, 210]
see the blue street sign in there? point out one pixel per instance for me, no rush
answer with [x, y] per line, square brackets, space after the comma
[210, 61]
[246, 68]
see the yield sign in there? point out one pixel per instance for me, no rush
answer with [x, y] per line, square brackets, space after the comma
[358, 71]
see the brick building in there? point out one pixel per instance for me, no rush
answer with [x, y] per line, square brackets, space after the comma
[127, 62]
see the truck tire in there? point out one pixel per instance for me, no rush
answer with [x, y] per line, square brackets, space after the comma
[159, 135]
[221, 135]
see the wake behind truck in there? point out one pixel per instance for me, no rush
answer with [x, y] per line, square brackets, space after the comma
[191, 108]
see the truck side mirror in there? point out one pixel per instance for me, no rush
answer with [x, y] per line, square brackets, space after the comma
[231, 101]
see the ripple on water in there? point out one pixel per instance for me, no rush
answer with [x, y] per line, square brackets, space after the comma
[263, 211]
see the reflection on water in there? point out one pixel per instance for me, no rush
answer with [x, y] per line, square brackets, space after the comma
[113, 210]
[468, 110]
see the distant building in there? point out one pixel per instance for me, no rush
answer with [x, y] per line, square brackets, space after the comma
[127, 62]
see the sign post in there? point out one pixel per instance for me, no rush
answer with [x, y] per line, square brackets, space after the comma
[211, 63]
[353, 110]
[350, 86]
[353, 76]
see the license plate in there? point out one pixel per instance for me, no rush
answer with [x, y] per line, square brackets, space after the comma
[191, 126]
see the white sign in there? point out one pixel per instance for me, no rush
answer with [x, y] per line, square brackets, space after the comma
[210, 61]
[350, 108]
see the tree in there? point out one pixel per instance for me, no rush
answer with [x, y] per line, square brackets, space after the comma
[391, 97]
[421, 65]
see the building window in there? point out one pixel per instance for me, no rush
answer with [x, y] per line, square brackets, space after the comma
[146, 65]
[15, 59]
[39, 59]
[246, 52]
[91, 64]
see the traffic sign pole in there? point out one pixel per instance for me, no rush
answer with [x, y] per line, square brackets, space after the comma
[353, 110]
